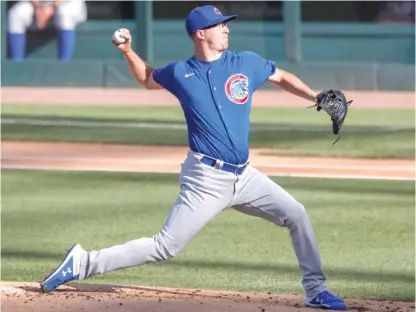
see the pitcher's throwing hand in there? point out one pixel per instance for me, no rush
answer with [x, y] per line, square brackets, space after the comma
[122, 39]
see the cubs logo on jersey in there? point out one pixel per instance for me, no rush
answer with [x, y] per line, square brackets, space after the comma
[236, 89]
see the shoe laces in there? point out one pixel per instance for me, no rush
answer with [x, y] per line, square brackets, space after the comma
[326, 296]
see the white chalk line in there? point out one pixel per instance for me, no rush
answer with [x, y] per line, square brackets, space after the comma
[301, 175]
[176, 126]
[172, 162]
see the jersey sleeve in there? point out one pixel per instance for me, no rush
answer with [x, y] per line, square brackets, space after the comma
[261, 68]
[165, 76]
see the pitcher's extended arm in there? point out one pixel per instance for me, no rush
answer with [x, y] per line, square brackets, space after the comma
[293, 84]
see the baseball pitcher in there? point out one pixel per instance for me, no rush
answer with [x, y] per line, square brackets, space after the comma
[215, 87]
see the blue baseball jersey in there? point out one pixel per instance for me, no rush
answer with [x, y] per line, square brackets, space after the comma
[216, 98]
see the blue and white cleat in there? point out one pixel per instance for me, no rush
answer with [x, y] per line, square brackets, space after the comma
[326, 300]
[67, 270]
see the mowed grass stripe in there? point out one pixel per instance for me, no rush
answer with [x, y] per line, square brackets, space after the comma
[51, 121]
[259, 115]
[365, 232]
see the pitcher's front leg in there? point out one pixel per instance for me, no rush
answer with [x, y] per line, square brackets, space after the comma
[203, 195]
[190, 213]
[261, 197]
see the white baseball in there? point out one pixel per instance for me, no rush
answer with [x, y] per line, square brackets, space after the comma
[118, 37]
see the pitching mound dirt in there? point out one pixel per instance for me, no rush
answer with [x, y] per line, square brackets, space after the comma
[19, 297]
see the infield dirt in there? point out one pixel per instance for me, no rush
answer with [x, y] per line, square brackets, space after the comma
[19, 297]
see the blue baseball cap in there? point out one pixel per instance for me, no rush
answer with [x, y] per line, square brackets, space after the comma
[205, 16]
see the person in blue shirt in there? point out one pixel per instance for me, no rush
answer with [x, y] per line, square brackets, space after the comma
[215, 88]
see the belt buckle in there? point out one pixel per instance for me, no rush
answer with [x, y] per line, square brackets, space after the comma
[218, 164]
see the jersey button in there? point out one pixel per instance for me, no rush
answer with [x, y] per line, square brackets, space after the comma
[209, 72]
[215, 89]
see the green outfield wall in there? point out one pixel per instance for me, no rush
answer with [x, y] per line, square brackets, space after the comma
[361, 56]
[114, 73]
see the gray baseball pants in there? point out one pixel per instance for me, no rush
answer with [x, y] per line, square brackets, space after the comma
[205, 192]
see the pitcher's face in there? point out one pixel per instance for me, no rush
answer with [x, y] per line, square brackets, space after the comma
[217, 36]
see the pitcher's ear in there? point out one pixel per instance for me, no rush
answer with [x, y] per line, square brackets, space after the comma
[199, 34]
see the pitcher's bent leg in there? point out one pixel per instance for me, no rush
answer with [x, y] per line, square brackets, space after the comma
[259, 196]
[190, 213]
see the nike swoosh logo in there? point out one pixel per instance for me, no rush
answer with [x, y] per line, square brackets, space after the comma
[188, 75]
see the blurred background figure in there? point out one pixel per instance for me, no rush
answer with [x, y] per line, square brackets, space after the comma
[396, 12]
[67, 15]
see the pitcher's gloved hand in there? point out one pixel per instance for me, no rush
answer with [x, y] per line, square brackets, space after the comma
[334, 103]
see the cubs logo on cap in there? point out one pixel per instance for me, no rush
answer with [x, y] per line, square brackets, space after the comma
[203, 17]
[236, 89]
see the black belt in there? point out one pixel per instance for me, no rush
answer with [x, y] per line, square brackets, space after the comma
[237, 169]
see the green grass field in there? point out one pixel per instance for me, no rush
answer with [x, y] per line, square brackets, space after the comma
[365, 231]
[371, 133]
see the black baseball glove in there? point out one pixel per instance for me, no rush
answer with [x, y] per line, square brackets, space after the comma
[334, 103]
